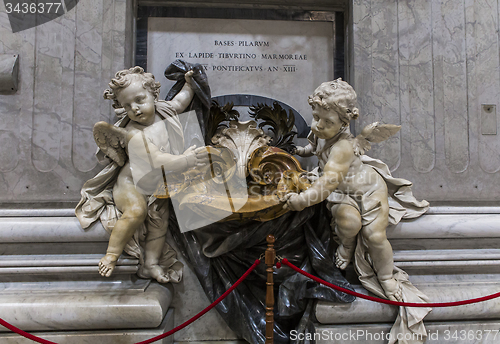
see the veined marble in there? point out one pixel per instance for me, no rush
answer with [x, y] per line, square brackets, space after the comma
[434, 71]
[46, 146]
[101, 337]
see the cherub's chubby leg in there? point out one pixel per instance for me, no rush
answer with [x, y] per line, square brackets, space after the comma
[133, 206]
[155, 240]
[380, 249]
[348, 224]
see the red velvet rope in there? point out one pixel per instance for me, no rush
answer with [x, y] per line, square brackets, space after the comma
[199, 315]
[389, 302]
[166, 334]
[24, 334]
[245, 275]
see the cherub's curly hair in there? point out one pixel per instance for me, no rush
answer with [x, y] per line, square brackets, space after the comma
[125, 77]
[336, 94]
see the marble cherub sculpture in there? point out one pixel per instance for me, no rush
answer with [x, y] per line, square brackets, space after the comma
[145, 143]
[354, 185]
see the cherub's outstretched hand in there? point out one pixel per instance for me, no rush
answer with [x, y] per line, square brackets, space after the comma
[293, 202]
[196, 156]
[298, 150]
[189, 77]
[305, 152]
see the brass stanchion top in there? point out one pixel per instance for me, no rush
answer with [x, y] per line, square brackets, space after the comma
[270, 239]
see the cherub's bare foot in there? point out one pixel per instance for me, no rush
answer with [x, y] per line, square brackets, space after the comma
[392, 289]
[156, 272]
[343, 257]
[107, 264]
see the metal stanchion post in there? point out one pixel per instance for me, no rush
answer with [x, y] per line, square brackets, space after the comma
[269, 260]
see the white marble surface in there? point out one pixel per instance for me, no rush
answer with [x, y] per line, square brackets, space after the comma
[86, 310]
[34, 212]
[102, 337]
[448, 226]
[169, 37]
[478, 223]
[46, 146]
[9, 73]
[189, 299]
[481, 332]
[484, 69]
[61, 264]
[364, 311]
[430, 66]
[84, 247]
[445, 261]
[447, 255]
[450, 76]
[116, 283]
[49, 229]
[462, 208]
[45, 139]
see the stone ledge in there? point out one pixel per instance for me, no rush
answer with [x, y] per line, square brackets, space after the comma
[51, 310]
[447, 226]
[61, 263]
[430, 226]
[483, 332]
[49, 229]
[448, 261]
[364, 311]
[99, 337]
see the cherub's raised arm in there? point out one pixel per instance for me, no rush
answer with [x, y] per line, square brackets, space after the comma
[335, 170]
[181, 101]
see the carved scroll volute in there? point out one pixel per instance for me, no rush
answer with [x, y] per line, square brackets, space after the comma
[275, 167]
[222, 165]
[241, 138]
[292, 181]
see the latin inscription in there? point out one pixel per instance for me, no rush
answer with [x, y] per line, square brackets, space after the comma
[244, 61]
[283, 60]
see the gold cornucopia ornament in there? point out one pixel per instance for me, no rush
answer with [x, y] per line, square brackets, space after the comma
[242, 151]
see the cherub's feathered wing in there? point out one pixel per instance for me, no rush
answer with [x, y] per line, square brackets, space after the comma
[375, 133]
[111, 140]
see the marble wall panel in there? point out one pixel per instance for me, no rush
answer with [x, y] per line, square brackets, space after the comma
[16, 109]
[123, 34]
[427, 65]
[362, 56]
[65, 64]
[450, 85]
[486, 70]
[48, 96]
[10, 108]
[417, 107]
[88, 93]
[68, 39]
[385, 74]
[445, 70]
[108, 24]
